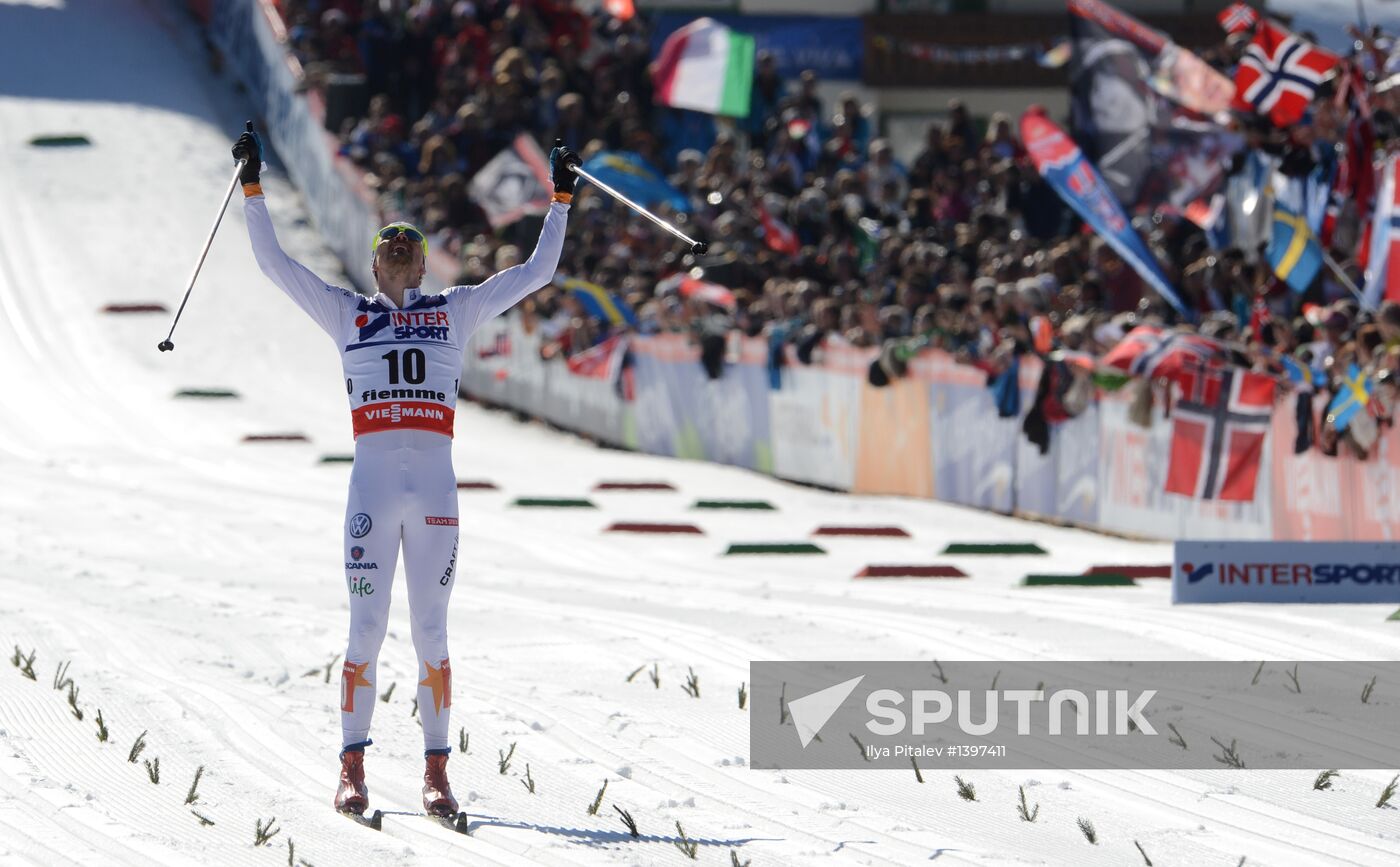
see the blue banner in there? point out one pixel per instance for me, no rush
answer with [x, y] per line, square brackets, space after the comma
[1064, 167]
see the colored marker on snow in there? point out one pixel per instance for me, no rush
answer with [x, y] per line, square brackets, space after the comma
[1078, 581]
[773, 548]
[911, 571]
[993, 548]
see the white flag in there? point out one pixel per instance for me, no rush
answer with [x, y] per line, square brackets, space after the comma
[514, 183]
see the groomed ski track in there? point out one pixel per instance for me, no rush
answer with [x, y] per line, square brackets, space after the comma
[193, 581]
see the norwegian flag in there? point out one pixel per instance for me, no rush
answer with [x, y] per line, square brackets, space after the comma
[1237, 17]
[1153, 353]
[1218, 432]
[1279, 74]
[1383, 244]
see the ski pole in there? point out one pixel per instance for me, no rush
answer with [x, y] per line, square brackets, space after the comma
[696, 247]
[166, 345]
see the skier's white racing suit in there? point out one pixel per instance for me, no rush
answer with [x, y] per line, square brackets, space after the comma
[401, 370]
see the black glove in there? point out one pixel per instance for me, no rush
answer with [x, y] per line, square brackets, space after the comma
[562, 177]
[249, 147]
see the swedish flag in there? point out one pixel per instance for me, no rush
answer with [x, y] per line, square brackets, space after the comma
[1293, 253]
[1351, 398]
[599, 302]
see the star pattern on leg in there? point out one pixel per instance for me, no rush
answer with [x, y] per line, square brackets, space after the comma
[351, 677]
[439, 680]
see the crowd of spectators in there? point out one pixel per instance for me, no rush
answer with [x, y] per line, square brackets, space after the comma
[965, 248]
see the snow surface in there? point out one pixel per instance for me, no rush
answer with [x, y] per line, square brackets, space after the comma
[193, 581]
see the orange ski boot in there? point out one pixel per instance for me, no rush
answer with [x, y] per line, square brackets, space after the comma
[437, 792]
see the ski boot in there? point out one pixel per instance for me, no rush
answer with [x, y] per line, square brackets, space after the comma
[437, 792]
[352, 796]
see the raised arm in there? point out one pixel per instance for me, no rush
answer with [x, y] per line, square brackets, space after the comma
[474, 305]
[324, 303]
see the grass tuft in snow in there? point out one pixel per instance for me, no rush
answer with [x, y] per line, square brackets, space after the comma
[1143, 853]
[942, 678]
[136, 748]
[1028, 814]
[1087, 829]
[995, 678]
[743, 695]
[61, 680]
[636, 671]
[860, 746]
[414, 712]
[291, 853]
[25, 664]
[1258, 671]
[685, 844]
[153, 770]
[628, 821]
[102, 733]
[965, 789]
[917, 774]
[782, 706]
[388, 693]
[193, 794]
[1297, 687]
[463, 741]
[735, 862]
[1176, 737]
[598, 801]
[264, 832]
[692, 683]
[1228, 756]
[1367, 690]
[655, 676]
[73, 700]
[1388, 792]
[331, 665]
[504, 763]
[529, 781]
[1324, 781]
[204, 821]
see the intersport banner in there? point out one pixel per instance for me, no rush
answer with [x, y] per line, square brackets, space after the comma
[1232, 571]
[1065, 168]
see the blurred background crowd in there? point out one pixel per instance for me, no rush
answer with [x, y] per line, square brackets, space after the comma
[819, 232]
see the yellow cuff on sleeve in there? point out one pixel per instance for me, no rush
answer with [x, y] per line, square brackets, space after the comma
[566, 198]
[252, 190]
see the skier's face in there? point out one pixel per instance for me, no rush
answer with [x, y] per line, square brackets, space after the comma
[399, 254]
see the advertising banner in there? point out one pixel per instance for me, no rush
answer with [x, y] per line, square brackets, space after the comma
[814, 417]
[680, 411]
[1286, 572]
[972, 451]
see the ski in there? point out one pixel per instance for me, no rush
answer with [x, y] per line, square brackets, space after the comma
[373, 821]
[458, 822]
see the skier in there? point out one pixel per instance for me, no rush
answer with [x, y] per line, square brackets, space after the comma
[402, 355]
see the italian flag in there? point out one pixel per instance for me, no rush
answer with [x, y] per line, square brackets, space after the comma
[706, 67]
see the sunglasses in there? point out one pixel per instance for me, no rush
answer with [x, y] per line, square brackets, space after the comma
[389, 233]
